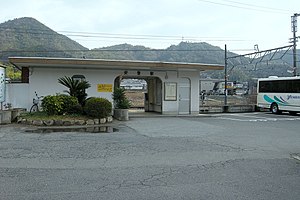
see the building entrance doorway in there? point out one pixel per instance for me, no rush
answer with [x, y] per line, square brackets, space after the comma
[144, 93]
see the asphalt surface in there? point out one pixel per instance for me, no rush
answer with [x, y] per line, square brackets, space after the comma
[223, 156]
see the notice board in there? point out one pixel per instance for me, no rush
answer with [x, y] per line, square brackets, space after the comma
[104, 87]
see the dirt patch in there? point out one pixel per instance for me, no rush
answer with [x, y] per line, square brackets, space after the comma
[136, 98]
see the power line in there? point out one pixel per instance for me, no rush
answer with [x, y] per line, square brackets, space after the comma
[35, 31]
[97, 34]
[121, 50]
[120, 36]
[100, 50]
[248, 7]
[256, 6]
[149, 38]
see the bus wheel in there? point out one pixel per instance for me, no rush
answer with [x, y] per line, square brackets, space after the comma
[274, 108]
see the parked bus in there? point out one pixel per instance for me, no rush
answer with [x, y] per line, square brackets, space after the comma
[279, 94]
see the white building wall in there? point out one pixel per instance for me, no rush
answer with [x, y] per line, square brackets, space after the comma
[45, 82]
[17, 94]
[170, 107]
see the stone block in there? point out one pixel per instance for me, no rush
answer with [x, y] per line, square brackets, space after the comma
[90, 122]
[58, 122]
[19, 120]
[102, 120]
[109, 119]
[23, 121]
[5, 117]
[68, 122]
[37, 123]
[15, 113]
[49, 122]
[79, 122]
[96, 121]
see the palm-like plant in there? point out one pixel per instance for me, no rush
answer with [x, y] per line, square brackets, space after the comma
[120, 99]
[76, 88]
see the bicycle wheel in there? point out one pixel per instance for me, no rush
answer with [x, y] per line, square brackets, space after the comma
[34, 108]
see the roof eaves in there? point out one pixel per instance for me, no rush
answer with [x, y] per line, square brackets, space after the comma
[38, 61]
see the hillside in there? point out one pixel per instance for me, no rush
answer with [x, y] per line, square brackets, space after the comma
[28, 37]
[183, 52]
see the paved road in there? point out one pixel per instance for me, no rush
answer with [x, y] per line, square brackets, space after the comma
[224, 156]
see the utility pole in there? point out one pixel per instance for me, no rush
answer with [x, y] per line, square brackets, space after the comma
[294, 41]
[226, 76]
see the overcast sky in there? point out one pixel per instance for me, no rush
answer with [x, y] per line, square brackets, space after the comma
[160, 23]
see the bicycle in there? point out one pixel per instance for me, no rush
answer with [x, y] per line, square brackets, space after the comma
[36, 103]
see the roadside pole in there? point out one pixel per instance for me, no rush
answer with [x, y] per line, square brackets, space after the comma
[294, 41]
[2, 85]
[225, 89]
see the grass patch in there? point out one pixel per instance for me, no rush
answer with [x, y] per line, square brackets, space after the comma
[44, 116]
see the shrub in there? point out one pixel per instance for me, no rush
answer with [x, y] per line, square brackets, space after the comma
[76, 109]
[70, 104]
[98, 107]
[59, 104]
[51, 105]
[120, 99]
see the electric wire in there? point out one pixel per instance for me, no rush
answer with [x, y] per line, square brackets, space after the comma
[256, 6]
[120, 50]
[249, 7]
[119, 36]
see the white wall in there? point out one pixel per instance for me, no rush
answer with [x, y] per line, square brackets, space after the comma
[170, 107]
[17, 94]
[45, 82]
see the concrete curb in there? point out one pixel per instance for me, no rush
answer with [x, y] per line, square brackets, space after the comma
[166, 116]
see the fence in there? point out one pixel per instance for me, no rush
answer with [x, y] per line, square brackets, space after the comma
[235, 103]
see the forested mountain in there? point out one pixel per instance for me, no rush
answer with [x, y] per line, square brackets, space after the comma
[183, 52]
[29, 37]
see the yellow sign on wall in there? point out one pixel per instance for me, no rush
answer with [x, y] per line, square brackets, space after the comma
[104, 87]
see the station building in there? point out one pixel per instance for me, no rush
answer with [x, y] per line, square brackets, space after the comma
[172, 87]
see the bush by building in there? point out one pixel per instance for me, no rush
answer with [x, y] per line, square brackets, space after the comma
[98, 107]
[60, 104]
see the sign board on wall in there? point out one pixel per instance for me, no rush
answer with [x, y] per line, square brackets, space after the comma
[2, 84]
[104, 87]
[170, 91]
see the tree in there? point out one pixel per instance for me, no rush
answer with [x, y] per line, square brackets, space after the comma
[76, 88]
[12, 73]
